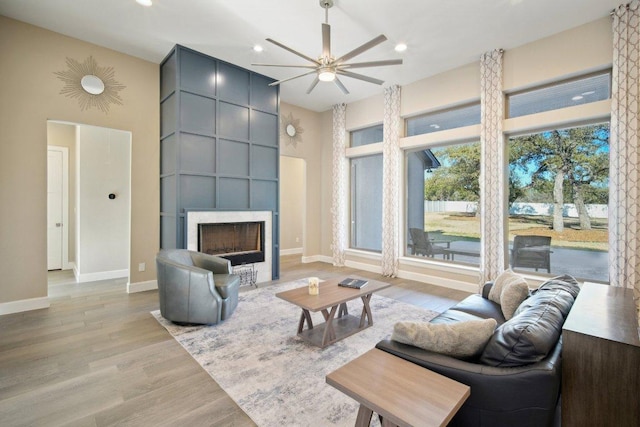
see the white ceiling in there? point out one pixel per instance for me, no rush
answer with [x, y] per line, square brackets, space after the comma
[441, 34]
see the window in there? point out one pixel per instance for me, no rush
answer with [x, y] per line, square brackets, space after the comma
[366, 136]
[560, 95]
[366, 203]
[442, 120]
[558, 202]
[442, 203]
[366, 192]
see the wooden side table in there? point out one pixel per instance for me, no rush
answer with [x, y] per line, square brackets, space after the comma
[401, 392]
[601, 359]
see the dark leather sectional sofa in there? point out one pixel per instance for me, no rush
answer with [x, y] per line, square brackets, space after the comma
[516, 381]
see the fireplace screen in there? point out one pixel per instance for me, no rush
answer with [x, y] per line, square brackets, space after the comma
[239, 242]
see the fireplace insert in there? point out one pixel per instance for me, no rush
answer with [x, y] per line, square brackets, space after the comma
[239, 242]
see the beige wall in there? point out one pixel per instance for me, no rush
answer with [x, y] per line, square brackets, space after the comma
[573, 52]
[292, 201]
[30, 96]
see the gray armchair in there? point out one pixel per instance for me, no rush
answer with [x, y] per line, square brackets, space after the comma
[194, 287]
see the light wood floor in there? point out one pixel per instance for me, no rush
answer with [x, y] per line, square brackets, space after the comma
[96, 357]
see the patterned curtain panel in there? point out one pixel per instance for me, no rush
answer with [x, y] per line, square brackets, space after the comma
[391, 155]
[340, 166]
[624, 217]
[491, 176]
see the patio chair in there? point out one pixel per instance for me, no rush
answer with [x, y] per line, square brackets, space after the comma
[422, 245]
[531, 252]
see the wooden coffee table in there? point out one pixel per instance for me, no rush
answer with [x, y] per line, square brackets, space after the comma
[400, 392]
[332, 302]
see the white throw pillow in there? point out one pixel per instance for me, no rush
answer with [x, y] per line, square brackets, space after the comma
[505, 278]
[460, 339]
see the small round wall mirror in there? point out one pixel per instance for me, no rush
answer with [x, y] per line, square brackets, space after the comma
[291, 130]
[92, 84]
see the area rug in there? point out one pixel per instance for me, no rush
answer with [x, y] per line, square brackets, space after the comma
[274, 376]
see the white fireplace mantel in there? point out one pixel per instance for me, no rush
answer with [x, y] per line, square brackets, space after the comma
[194, 218]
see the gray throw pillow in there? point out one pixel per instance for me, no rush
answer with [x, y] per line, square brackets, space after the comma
[505, 278]
[460, 339]
[513, 294]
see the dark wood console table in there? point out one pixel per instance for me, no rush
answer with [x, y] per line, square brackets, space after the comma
[601, 359]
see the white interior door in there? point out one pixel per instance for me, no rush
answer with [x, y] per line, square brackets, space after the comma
[54, 210]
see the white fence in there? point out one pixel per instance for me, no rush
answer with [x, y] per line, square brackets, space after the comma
[540, 209]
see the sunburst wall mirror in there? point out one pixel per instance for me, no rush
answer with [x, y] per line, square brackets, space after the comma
[291, 130]
[92, 85]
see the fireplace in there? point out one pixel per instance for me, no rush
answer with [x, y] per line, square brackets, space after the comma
[239, 242]
[262, 242]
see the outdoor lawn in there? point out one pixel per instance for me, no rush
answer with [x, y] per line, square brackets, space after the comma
[461, 226]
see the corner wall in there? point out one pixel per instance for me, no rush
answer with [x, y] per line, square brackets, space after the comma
[30, 96]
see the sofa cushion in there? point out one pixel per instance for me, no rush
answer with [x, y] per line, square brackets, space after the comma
[454, 316]
[512, 295]
[505, 278]
[480, 307]
[461, 339]
[533, 331]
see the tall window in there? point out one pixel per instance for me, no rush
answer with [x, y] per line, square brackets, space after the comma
[366, 193]
[366, 203]
[443, 190]
[442, 203]
[558, 202]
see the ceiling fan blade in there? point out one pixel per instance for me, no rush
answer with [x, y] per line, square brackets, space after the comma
[341, 86]
[326, 40]
[372, 64]
[360, 77]
[287, 66]
[313, 85]
[291, 78]
[357, 51]
[295, 52]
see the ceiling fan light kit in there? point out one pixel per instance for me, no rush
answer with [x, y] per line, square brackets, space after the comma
[327, 67]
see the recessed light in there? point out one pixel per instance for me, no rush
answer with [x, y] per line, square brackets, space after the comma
[400, 47]
[144, 2]
[590, 92]
[258, 48]
[577, 98]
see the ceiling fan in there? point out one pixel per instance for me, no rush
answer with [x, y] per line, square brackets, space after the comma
[326, 67]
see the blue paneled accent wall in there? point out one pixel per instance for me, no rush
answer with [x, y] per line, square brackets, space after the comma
[218, 143]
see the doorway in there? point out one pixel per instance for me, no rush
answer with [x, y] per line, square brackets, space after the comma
[57, 208]
[98, 224]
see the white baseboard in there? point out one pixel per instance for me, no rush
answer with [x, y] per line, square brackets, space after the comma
[292, 251]
[364, 266]
[439, 281]
[102, 275]
[317, 258]
[24, 305]
[149, 285]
